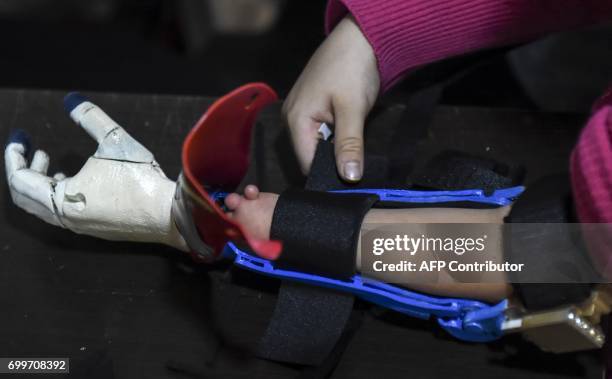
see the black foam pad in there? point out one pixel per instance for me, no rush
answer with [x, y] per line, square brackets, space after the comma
[319, 231]
[453, 170]
[561, 255]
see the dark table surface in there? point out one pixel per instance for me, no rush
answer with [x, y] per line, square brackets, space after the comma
[146, 311]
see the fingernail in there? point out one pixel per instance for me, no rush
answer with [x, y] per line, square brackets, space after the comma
[352, 171]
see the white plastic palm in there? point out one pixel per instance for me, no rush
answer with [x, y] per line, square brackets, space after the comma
[120, 193]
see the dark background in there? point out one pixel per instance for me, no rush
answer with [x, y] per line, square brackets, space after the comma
[170, 46]
[142, 46]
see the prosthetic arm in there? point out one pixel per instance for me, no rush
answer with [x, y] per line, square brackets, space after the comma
[121, 193]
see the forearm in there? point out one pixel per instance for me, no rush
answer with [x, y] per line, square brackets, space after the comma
[442, 283]
[406, 34]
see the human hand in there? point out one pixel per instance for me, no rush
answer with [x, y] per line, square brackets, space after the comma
[339, 86]
[120, 193]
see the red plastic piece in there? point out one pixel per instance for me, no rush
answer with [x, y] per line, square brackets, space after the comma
[216, 155]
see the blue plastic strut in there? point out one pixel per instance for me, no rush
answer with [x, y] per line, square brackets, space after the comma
[501, 197]
[468, 320]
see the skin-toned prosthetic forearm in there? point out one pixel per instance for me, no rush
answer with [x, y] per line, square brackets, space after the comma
[120, 194]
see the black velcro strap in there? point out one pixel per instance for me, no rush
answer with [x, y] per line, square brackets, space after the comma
[324, 174]
[319, 231]
[306, 324]
[310, 322]
[548, 200]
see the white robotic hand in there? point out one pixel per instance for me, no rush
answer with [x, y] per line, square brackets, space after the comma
[120, 194]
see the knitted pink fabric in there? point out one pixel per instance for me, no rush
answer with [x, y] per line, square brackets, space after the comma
[591, 168]
[591, 165]
[406, 34]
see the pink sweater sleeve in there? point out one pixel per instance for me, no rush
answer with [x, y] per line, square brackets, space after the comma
[591, 165]
[591, 172]
[406, 34]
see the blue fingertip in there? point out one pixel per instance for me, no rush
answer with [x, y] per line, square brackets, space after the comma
[20, 136]
[73, 100]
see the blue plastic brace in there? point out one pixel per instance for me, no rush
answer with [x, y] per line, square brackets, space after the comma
[501, 197]
[468, 320]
